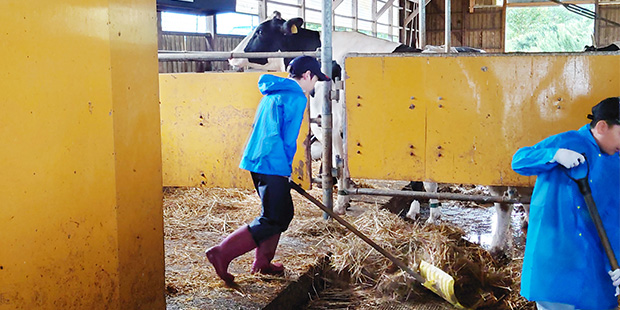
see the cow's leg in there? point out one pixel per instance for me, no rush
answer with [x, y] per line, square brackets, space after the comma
[435, 211]
[501, 241]
[526, 219]
[414, 210]
[344, 200]
[526, 207]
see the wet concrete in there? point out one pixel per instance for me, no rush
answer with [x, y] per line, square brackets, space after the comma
[478, 223]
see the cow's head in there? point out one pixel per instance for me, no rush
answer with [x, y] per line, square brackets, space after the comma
[277, 34]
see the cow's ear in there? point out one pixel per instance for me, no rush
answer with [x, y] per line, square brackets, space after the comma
[292, 25]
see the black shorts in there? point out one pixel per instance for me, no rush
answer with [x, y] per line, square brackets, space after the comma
[277, 206]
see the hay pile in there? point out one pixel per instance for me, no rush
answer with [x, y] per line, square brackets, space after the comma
[196, 218]
[480, 282]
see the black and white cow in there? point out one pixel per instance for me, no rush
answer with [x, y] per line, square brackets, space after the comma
[615, 46]
[277, 34]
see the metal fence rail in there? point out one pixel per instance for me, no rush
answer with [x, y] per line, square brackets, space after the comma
[222, 56]
[439, 196]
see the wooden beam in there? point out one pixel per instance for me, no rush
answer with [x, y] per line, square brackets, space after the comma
[414, 13]
[597, 24]
[336, 4]
[386, 6]
[503, 31]
[373, 14]
[355, 15]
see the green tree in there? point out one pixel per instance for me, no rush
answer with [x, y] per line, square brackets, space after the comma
[547, 29]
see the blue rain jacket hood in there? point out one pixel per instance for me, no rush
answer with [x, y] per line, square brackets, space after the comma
[273, 141]
[564, 260]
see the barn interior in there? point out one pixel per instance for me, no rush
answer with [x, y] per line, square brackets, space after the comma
[120, 170]
[475, 23]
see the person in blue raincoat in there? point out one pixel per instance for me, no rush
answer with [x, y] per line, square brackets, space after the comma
[565, 266]
[269, 156]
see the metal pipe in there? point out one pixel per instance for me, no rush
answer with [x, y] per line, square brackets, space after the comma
[448, 30]
[326, 116]
[215, 56]
[584, 12]
[422, 20]
[440, 196]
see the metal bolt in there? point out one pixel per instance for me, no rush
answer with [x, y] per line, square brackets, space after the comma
[440, 98]
[439, 147]
[412, 106]
[412, 97]
[359, 104]
[441, 105]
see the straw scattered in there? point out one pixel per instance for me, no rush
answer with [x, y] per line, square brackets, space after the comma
[197, 218]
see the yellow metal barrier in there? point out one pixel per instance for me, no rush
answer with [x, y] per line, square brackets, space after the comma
[81, 224]
[205, 122]
[459, 119]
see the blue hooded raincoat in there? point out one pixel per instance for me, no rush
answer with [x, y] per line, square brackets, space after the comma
[273, 141]
[564, 261]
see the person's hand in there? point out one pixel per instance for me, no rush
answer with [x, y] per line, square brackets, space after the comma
[568, 158]
[615, 276]
[615, 279]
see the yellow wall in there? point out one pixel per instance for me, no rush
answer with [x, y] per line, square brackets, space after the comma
[206, 119]
[459, 119]
[81, 220]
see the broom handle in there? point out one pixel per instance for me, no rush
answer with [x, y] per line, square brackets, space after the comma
[350, 227]
[584, 187]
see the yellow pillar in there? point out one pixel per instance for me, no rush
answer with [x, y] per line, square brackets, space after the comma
[80, 156]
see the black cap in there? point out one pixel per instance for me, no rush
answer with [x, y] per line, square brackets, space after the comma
[606, 110]
[301, 64]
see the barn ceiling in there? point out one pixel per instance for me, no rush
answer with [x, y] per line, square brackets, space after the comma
[207, 7]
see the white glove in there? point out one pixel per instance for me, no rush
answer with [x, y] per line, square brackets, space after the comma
[568, 158]
[615, 276]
